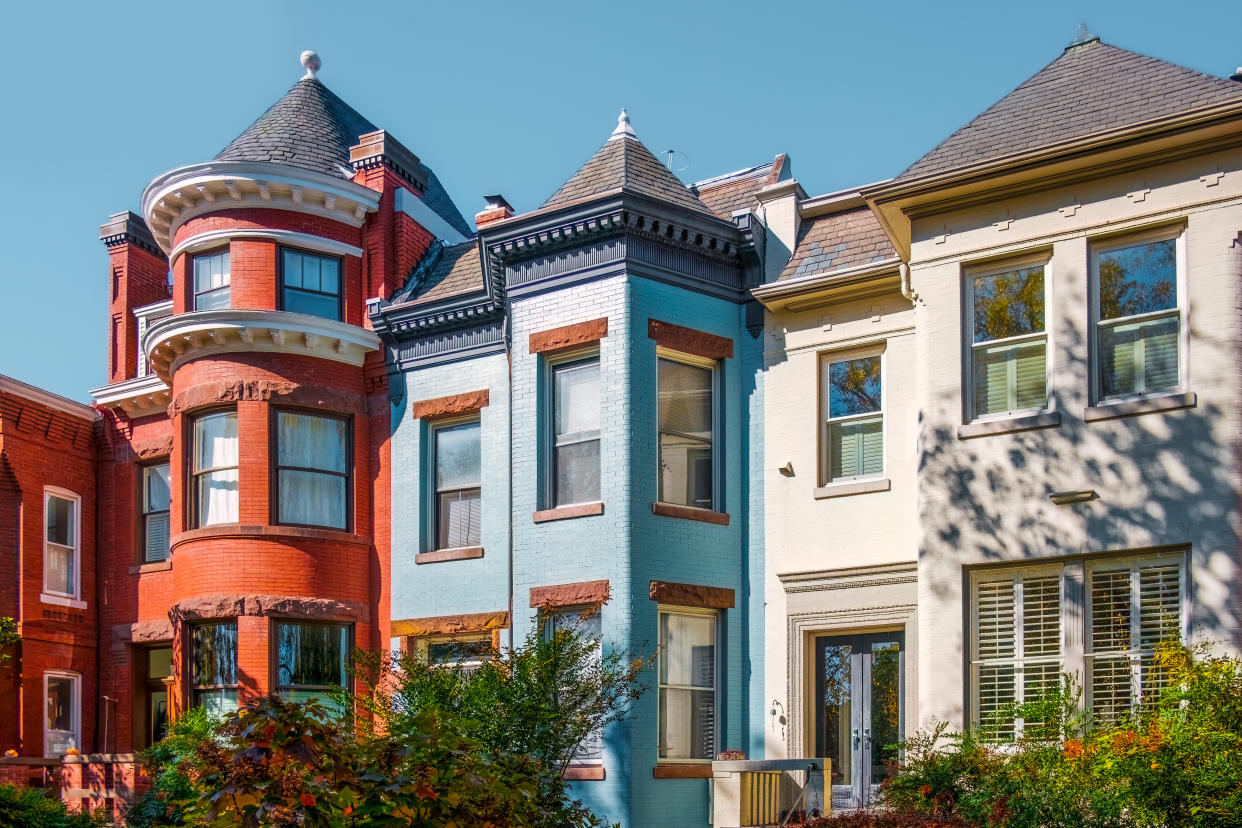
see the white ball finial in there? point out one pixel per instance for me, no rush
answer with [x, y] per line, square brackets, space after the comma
[312, 63]
[623, 126]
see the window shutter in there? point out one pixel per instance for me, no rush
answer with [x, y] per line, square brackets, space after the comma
[1160, 355]
[157, 537]
[1111, 686]
[1031, 377]
[1010, 378]
[991, 382]
[1041, 636]
[996, 640]
[871, 448]
[1160, 612]
[857, 447]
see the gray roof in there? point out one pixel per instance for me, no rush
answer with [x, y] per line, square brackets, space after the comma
[1091, 87]
[736, 191]
[624, 163]
[438, 200]
[445, 271]
[837, 241]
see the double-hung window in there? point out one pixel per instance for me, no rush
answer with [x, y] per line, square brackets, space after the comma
[575, 431]
[1138, 316]
[1008, 340]
[213, 471]
[312, 660]
[853, 436]
[155, 504]
[687, 697]
[62, 538]
[310, 283]
[312, 470]
[1016, 655]
[62, 728]
[215, 667]
[458, 475]
[686, 417]
[211, 281]
[1134, 606]
[585, 622]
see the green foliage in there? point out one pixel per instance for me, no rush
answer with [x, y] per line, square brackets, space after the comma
[8, 637]
[170, 785]
[1176, 763]
[39, 808]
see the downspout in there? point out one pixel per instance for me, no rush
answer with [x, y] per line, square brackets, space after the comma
[509, 429]
[907, 290]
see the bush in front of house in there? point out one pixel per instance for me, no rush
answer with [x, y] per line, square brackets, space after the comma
[42, 808]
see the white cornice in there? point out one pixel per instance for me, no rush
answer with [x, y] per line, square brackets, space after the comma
[186, 192]
[777, 295]
[46, 398]
[138, 397]
[177, 339]
[294, 239]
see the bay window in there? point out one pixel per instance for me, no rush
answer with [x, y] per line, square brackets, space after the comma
[214, 660]
[312, 470]
[156, 500]
[687, 686]
[310, 283]
[686, 420]
[62, 537]
[575, 432]
[312, 660]
[1138, 316]
[458, 474]
[62, 693]
[211, 281]
[213, 470]
[853, 436]
[1008, 340]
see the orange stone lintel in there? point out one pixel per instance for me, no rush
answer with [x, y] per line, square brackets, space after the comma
[451, 624]
[463, 553]
[451, 405]
[683, 770]
[690, 513]
[584, 773]
[568, 336]
[689, 341]
[583, 593]
[691, 595]
[562, 512]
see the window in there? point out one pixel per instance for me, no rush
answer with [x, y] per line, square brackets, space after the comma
[1017, 647]
[62, 693]
[155, 504]
[312, 470]
[687, 684]
[1008, 341]
[1134, 605]
[214, 469]
[215, 667]
[310, 284]
[62, 535]
[575, 437]
[686, 417]
[312, 660]
[468, 650]
[211, 281]
[458, 477]
[854, 418]
[585, 621]
[1138, 319]
[159, 667]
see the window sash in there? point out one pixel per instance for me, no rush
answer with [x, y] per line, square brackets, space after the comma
[698, 699]
[212, 280]
[680, 452]
[1021, 373]
[303, 649]
[61, 561]
[461, 526]
[296, 261]
[155, 516]
[318, 493]
[577, 450]
[56, 740]
[217, 654]
[1139, 376]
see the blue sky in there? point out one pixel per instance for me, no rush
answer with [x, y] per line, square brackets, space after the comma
[506, 97]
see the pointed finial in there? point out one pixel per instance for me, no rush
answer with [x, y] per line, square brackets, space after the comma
[1084, 36]
[623, 127]
[312, 63]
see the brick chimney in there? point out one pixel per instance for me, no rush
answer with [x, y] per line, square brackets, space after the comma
[497, 209]
[139, 276]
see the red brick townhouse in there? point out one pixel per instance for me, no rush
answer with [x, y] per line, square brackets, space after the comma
[216, 528]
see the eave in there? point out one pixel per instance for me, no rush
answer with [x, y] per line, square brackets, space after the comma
[848, 284]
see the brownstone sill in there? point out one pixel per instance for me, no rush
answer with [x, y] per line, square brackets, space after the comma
[563, 512]
[690, 513]
[687, 770]
[584, 773]
[154, 566]
[1142, 405]
[237, 530]
[462, 553]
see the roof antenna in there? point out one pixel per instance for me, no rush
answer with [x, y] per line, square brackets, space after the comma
[312, 63]
[683, 163]
[1083, 37]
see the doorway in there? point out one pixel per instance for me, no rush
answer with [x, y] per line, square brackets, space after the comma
[858, 707]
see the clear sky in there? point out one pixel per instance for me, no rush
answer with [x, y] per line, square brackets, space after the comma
[508, 97]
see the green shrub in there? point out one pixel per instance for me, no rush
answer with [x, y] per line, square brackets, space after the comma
[170, 785]
[41, 808]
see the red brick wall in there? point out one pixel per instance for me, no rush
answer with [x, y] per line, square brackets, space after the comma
[392, 242]
[137, 277]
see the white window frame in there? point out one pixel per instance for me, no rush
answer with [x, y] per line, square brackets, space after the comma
[717, 616]
[76, 732]
[548, 400]
[826, 360]
[969, 346]
[433, 513]
[50, 596]
[1118, 242]
[712, 365]
[226, 287]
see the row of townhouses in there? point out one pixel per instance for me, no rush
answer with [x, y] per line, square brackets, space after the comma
[851, 462]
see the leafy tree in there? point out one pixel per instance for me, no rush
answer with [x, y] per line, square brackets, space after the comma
[8, 637]
[165, 762]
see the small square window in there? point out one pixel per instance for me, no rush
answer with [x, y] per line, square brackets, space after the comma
[853, 430]
[212, 283]
[312, 660]
[467, 650]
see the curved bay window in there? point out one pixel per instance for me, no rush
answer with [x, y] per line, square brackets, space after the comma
[310, 284]
[311, 660]
[312, 470]
[213, 480]
[215, 667]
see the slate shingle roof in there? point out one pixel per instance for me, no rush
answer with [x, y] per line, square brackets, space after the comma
[737, 191]
[1089, 88]
[623, 162]
[836, 241]
[444, 272]
[438, 200]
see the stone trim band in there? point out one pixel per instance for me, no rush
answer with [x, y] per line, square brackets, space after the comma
[451, 624]
[689, 341]
[568, 336]
[583, 593]
[691, 595]
[450, 406]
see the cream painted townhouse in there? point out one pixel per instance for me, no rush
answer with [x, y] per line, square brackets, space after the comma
[1001, 412]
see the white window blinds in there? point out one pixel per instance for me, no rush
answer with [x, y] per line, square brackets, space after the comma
[1139, 324]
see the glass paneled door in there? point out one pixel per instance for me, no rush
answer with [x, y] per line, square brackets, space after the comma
[858, 711]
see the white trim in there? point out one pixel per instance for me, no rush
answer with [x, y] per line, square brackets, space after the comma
[76, 680]
[46, 398]
[717, 382]
[61, 601]
[76, 500]
[137, 397]
[418, 209]
[304, 241]
[826, 360]
[700, 612]
[164, 306]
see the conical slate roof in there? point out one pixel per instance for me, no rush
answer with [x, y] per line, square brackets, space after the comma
[1091, 87]
[624, 163]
